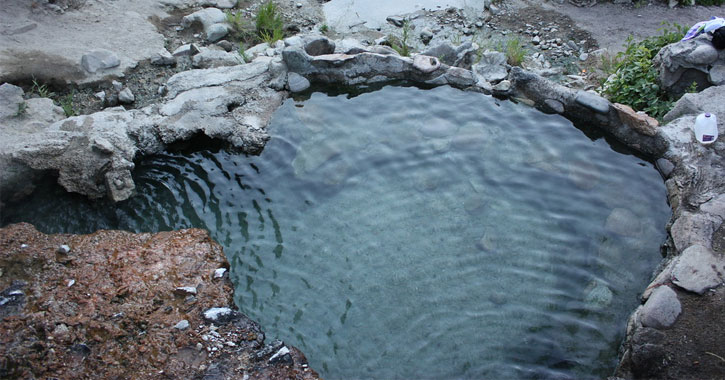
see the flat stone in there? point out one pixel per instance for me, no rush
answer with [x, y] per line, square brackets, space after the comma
[639, 121]
[554, 106]
[210, 58]
[185, 50]
[297, 83]
[594, 102]
[185, 291]
[698, 269]
[100, 59]
[661, 309]
[426, 64]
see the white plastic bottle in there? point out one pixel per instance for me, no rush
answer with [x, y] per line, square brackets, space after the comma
[706, 128]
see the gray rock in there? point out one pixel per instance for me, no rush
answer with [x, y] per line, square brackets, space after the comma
[209, 58]
[661, 309]
[528, 85]
[426, 35]
[698, 269]
[583, 57]
[163, 58]
[460, 56]
[382, 49]
[100, 59]
[225, 45]
[682, 63]
[319, 46]
[594, 102]
[665, 167]
[492, 67]
[297, 83]
[553, 106]
[211, 19]
[716, 76]
[349, 46]
[216, 32]
[396, 20]
[63, 249]
[494, 9]
[502, 87]
[223, 4]
[126, 96]
[93, 154]
[426, 64]
[708, 100]
[182, 325]
[185, 50]
[11, 97]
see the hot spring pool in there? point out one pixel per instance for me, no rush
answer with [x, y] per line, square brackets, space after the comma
[409, 233]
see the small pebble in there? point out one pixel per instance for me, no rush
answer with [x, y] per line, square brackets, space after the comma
[219, 273]
[23, 246]
[64, 249]
[71, 282]
[182, 325]
[199, 347]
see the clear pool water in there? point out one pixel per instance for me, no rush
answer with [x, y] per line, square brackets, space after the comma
[409, 233]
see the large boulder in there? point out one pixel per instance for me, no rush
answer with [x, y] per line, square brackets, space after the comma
[93, 154]
[682, 63]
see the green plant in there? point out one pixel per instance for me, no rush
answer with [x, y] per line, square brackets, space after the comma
[324, 29]
[401, 44]
[41, 89]
[268, 23]
[635, 78]
[515, 51]
[22, 109]
[66, 103]
[241, 27]
[242, 50]
[457, 38]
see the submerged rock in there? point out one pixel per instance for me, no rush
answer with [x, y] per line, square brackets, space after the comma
[623, 222]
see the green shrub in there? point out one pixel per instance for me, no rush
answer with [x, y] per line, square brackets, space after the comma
[41, 89]
[635, 78]
[515, 51]
[269, 23]
[66, 103]
[401, 44]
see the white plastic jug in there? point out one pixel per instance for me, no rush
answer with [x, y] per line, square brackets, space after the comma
[706, 128]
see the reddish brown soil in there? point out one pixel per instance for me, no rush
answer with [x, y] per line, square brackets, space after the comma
[107, 309]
